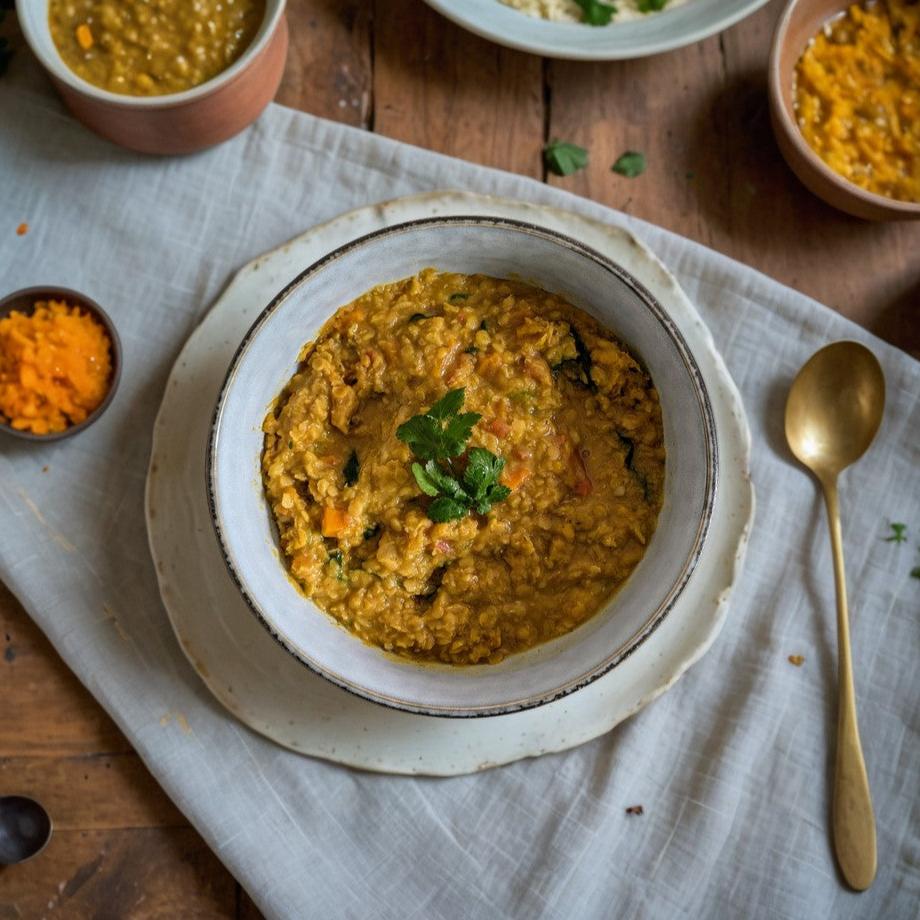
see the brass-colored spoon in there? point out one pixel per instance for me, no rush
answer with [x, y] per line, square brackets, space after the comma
[833, 412]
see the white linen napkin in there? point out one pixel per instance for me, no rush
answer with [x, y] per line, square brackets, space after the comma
[732, 765]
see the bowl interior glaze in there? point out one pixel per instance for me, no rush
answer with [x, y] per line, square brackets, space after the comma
[268, 357]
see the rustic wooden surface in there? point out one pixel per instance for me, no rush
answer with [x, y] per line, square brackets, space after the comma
[121, 849]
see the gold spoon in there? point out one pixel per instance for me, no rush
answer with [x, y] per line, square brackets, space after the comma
[834, 409]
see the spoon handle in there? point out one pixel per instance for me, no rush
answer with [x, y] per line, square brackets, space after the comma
[854, 820]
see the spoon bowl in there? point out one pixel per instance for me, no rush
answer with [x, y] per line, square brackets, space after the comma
[25, 829]
[835, 407]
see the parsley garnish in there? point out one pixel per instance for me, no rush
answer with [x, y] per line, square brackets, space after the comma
[630, 164]
[440, 435]
[352, 469]
[898, 534]
[563, 158]
[596, 13]
[338, 560]
[651, 6]
[457, 296]
[417, 316]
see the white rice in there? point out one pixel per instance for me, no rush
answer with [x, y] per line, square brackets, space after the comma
[570, 11]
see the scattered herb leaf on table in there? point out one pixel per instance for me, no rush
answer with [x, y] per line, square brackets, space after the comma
[563, 158]
[630, 164]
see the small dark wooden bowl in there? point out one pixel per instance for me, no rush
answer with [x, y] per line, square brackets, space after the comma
[24, 301]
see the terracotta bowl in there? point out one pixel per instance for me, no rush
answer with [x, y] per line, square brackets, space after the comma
[800, 22]
[179, 122]
[24, 301]
[268, 356]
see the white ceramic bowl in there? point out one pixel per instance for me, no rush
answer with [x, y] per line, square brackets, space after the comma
[672, 28]
[267, 358]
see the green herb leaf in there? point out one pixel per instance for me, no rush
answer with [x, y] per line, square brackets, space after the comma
[449, 404]
[417, 316]
[630, 164]
[563, 158]
[651, 6]
[898, 533]
[337, 559]
[421, 477]
[596, 13]
[482, 470]
[438, 435]
[471, 350]
[444, 482]
[915, 572]
[352, 469]
[371, 532]
[494, 494]
[447, 509]
[458, 296]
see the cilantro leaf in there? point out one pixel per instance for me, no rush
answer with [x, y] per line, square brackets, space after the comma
[435, 437]
[482, 470]
[423, 434]
[898, 533]
[563, 158]
[421, 477]
[446, 509]
[494, 494]
[630, 164]
[651, 6]
[445, 482]
[458, 432]
[352, 469]
[596, 13]
[449, 404]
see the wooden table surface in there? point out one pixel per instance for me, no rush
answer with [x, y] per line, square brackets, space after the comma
[121, 848]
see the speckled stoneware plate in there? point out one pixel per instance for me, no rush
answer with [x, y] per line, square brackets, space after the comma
[632, 35]
[264, 685]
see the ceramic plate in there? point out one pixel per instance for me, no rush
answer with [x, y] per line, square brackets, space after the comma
[263, 685]
[690, 22]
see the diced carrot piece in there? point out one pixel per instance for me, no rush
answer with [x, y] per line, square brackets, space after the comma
[335, 520]
[583, 487]
[84, 36]
[499, 427]
[516, 476]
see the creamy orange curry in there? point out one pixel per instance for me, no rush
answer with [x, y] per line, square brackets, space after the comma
[463, 467]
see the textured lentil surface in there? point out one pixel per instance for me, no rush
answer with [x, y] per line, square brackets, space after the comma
[585, 460]
[152, 47]
[857, 97]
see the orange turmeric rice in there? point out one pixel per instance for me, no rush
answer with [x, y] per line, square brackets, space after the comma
[55, 367]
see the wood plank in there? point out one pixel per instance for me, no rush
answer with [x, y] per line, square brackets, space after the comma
[88, 875]
[440, 87]
[48, 712]
[328, 69]
[92, 792]
[716, 175]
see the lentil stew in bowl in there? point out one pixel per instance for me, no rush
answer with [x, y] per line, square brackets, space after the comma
[152, 47]
[537, 479]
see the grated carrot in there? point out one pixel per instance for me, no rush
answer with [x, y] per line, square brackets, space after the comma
[22, 229]
[55, 366]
